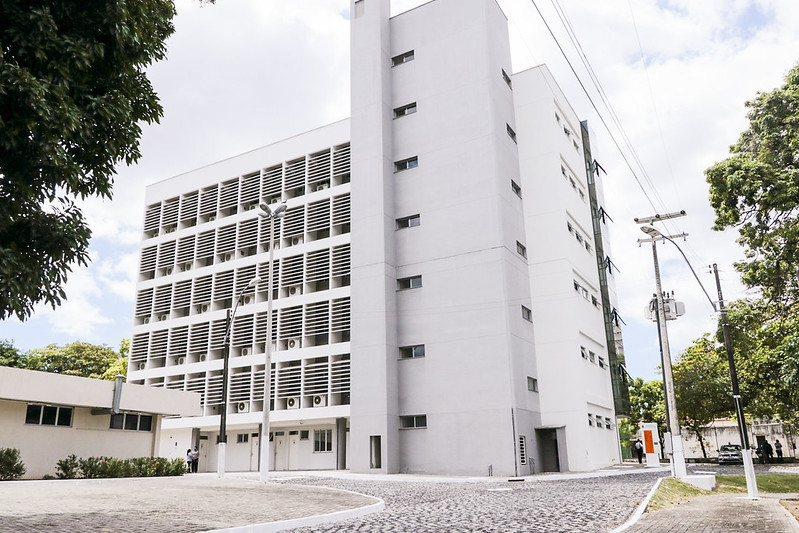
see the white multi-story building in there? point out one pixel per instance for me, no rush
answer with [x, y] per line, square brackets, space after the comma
[441, 297]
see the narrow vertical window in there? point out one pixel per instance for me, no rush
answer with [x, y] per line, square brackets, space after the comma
[532, 384]
[527, 314]
[523, 449]
[507, 78]
[516, 188]
[521, 249]
[511, 133]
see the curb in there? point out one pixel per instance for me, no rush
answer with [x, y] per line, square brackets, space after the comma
[306, 521]
[639, 511]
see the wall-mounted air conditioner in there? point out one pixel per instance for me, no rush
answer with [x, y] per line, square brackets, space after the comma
[228, 257]
[146, 320]
[247, 300]
[168, 271]
[274, 200]
[246, 351]
[142, 366]
[243, 407]
[320, 400]
[170, 229]
[181, 360]
[250, 207]
[204, 308]
[211, 218]
[185, 266]
[295, 290]
[296, 240]
[295, 343]
[293, 402]
[322, 186]
[202, 358]
[163, 317]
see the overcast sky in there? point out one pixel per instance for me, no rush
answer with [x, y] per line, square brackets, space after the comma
[244, 73]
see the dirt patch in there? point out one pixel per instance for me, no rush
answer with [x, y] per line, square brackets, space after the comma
[792, 506]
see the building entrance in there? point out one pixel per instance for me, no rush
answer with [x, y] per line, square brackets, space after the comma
[548, 447]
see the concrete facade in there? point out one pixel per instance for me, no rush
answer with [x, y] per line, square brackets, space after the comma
[432, 300]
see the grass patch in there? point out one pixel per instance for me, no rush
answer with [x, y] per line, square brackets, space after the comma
[673, 492]
[765, 483]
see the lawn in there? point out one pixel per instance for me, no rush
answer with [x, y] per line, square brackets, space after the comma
[674, 492]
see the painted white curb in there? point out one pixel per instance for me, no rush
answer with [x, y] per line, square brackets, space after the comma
[638, 512]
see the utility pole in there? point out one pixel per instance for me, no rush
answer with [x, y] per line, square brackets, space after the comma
[749, 469]
[677, 454]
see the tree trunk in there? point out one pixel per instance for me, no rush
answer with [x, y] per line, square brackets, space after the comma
[701, 442]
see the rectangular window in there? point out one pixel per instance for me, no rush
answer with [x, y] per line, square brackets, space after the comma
[592, 357]
[516, 188]
[323, 440]
[601, 362]
[145, 423]
[304, 434]
[527, 314]
[584, 352]
[406, 164]
[132, 422]
[33, 414]
[599, 421]
[64, 416]
[590, 419]
[413, 421]
[523, 449]
[411, 352]
[48, 415]
[405, 110]
[608, 425]
[117, 421]
[241, 438]
[413, 282]
[521, 249]
[511, 133]
[409, 222]
[507, 78]
[402, 58]
[532, 384]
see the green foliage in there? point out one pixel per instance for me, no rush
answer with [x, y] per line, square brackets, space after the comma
[671, 492]
[67, 468]
[756, 190]
[646, 405]
[73, 93]
[774, 483]
[11, 467]
[76, 359]
[702, 386]
[110, 467]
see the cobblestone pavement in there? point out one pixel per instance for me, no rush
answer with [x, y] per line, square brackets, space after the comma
[546, 504]
[719, 513]
[170, 505]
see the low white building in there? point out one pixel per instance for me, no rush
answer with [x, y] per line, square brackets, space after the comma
[50, 416]
[443, 296]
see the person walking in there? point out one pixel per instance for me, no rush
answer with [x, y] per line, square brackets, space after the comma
[768, 451]
[188, 460]
[778, 449]
[195, 460]
[639, 450]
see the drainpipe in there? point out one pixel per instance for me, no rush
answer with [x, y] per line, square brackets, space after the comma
[117, 394]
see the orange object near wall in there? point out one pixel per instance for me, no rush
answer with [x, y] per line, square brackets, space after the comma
[649, 445]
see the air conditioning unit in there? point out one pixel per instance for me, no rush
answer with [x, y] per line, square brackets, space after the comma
[273, 200]
[247, 300]
[185, 266]
[181, 360]
[202, 358]
[295, 290]
[295, 343]
[170, 229]
[228, 257]
[243, 407]
[296, 240]
[250, 207]
[293, 402]
[146, 320]
[168, 271]
[320, 400]
[142, 366]
[246, 351]
[204, 308]
[163, 317]
[322, 186]
[211, 218]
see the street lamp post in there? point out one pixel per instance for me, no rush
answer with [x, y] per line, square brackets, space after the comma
[272, 213]
[220, 462]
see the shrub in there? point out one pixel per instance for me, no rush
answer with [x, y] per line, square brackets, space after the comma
[11, 467]
[67, 468]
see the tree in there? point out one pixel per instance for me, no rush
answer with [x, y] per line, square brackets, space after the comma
[646, 405]
[702, 386]
[76, 359]
[756, 190]
[73, 93]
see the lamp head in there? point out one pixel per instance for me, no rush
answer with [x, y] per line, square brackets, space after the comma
[652, 232]
[253, 282]
[275, 211]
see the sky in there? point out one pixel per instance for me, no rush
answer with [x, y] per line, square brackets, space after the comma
[241, 74]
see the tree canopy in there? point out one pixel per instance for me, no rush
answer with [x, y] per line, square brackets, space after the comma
[756, 190]
[73, 94]
[76, 359]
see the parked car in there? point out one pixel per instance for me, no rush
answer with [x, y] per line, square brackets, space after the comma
[730, 453]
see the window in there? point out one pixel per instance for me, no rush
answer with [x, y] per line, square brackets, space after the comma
[527, 314]
[570, 227]
[402, 58]
[131, 422]
[523, 449]
[521, 249]
[413, 282]
[411, 352]
[511, 133]
[517, 190]
[405, 110]
[590, 419]
[608, 425]
[409, 222]
[406, 164]
[241, 438]
[48, 415]
[304, 434]
[592, 357]
[602, 362]
[323, 440]
[584, 352]
[507, 78]
[413, 421]
[532, 384]
[557, 117]
[598, 421]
